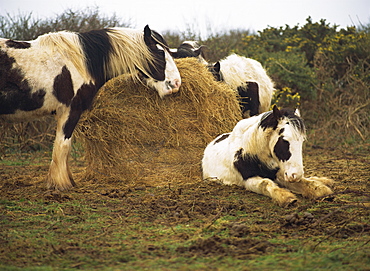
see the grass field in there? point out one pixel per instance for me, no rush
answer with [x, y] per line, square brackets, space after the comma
[185, 225]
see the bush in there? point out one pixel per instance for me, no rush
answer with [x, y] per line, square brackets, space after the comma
[25, 27]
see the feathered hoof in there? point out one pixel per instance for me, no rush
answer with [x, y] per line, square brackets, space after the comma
[61, 185]
[317, 191]
[323, 180]
[287, 199]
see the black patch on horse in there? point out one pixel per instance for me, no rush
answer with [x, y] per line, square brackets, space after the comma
[63, 87]
[97, 48]
[151, 39]
[15, 92]
[222, 137]
[18, 44]
[281, 149]
[249, 98]
[81, 102]
[251, 166]
[186, 50]
[271, 119]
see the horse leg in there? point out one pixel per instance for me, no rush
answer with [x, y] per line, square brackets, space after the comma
[313, 187]
[60, 176]
[269, 188]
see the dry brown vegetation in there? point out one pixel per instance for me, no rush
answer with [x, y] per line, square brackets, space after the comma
[132, 134]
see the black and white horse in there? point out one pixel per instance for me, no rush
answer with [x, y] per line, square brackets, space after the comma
[60, 73]
[189, 49]
[249, 79]
[245, 76]
[263, 154]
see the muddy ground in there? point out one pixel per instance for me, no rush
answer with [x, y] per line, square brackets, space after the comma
[210, 209]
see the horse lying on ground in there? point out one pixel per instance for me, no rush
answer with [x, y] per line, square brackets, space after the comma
[263, 154]
[60, 73]
[244, 75]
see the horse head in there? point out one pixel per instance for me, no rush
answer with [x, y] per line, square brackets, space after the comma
[164, 75]
[190, 49]
[286, 140]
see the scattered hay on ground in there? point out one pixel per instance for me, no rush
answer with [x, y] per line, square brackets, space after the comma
[132, 135]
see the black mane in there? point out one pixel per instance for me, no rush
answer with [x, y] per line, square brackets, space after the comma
[97, 47]
[271, 119]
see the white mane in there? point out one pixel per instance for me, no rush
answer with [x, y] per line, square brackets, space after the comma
[129, 51]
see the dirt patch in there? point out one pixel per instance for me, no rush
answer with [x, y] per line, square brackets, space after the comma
[201, 219]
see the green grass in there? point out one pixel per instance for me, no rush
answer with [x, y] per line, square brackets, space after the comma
[44, 235]
[207, 226]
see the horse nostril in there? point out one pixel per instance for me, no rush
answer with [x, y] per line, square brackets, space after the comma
[177, 83]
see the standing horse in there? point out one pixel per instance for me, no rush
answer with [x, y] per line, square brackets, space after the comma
[249, 79]
[60, 73]
[263, 154]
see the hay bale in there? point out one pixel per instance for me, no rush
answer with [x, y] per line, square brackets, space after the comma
[133, 135]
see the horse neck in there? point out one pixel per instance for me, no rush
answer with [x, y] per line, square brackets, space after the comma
[253, 139]
[130, 53]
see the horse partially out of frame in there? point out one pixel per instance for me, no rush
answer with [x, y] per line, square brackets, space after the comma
[60, 73]
[264, 154]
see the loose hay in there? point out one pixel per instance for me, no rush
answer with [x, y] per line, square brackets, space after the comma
[133, 135]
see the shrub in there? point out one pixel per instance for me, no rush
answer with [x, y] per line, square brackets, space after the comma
[26, 27]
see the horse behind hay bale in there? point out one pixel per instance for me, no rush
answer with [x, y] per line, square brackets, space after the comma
[249, 79]
[189, 49]
[132, 135]
[244, 75]
[261, 153]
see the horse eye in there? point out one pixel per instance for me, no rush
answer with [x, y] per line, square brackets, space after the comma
[281, 131]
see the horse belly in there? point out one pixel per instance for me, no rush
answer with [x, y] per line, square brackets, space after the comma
[217, 164]
[27, 80]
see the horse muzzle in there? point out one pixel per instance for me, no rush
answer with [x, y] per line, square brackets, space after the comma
[173, 86]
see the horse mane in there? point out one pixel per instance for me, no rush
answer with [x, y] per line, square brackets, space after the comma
[268, 120]
[129, 50]
[125, 53]
[68, 45]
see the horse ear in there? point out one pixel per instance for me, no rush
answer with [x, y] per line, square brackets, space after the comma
[296, 112]
[147, 31]
[217, 66]
[276, 112]
[148, 35]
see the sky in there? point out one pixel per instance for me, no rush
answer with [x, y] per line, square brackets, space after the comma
[205, 16]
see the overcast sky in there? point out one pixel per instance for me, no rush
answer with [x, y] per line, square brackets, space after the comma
[178, 15]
